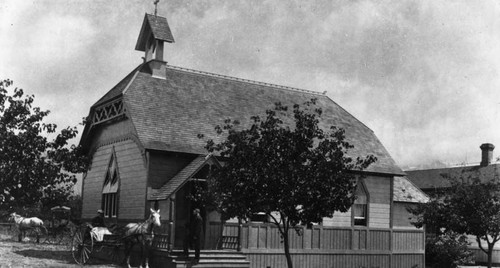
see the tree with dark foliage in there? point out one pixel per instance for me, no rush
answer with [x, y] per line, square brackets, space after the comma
[294, 173]
[470, 206]
[33, 170]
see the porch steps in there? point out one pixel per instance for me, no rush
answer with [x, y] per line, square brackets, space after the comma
[210, 259]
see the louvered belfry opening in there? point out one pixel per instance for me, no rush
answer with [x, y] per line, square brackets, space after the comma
[154, 33]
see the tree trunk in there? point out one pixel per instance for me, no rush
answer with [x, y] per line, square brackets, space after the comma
[286, 245]
[283, 229]
[489, 251]
[490, 254]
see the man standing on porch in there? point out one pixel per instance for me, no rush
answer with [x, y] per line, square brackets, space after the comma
[195, 231]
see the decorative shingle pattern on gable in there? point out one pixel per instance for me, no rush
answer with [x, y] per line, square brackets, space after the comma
[169, 113]
[406, 191]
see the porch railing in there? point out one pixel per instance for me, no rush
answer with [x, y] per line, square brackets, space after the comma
[267, 236]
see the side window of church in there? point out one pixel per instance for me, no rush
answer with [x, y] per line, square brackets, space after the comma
[360, 207]
[110, 190]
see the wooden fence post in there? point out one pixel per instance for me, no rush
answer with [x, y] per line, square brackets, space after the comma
[171, 225]
[240, 226]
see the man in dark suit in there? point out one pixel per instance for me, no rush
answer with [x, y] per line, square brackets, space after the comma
[98, 221]
[195, 230]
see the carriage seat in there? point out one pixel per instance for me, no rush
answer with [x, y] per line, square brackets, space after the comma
[99, 232]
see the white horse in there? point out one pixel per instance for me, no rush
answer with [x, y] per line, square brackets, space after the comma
[23, 224]
[141, 233]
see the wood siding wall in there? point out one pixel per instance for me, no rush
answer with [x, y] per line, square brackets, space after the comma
[164, 207]
[401, 216]
[132, 174]
[379, 209]
[339, 219]
[321, 260]
[379, 215]
[164, 166]
[379, 189]
[329, 247]
[481, 258]
[408, 241]
[93, 182]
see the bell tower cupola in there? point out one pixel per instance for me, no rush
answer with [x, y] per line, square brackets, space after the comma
[154, 33]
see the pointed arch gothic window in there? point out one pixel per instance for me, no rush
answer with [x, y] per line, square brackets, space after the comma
[110, 189]
[360, 207]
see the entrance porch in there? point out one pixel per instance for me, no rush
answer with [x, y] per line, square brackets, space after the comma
[208, 259]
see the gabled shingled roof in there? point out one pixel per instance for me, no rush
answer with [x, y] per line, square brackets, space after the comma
[435, 178]
[158, 27]
[117, 90]
[168, 114]
[406, 191]
[182, 177]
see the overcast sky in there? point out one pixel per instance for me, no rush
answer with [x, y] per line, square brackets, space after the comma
[423, 75]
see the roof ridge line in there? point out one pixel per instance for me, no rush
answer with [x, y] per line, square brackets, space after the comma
[447, 167]
[232, 78]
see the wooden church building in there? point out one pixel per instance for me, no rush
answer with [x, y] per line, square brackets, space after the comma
[142, 137]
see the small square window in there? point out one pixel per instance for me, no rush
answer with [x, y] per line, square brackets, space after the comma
[360, 214]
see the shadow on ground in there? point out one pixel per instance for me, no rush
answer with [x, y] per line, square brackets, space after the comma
[60, 255]
[63, 256]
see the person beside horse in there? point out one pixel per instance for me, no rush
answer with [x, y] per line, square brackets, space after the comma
[141, 233]
[193, 234]
[132, 234]
[23, 224]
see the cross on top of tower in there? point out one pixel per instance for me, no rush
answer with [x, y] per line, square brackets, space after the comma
[156, 6]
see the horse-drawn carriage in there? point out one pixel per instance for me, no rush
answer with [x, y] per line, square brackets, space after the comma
[88, 239]
[60, 228]
[55, 230]
[118, 241]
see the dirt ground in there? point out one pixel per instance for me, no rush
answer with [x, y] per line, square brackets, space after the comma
[28, 254]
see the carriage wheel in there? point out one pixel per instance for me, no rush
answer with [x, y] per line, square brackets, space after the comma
[81, 247]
